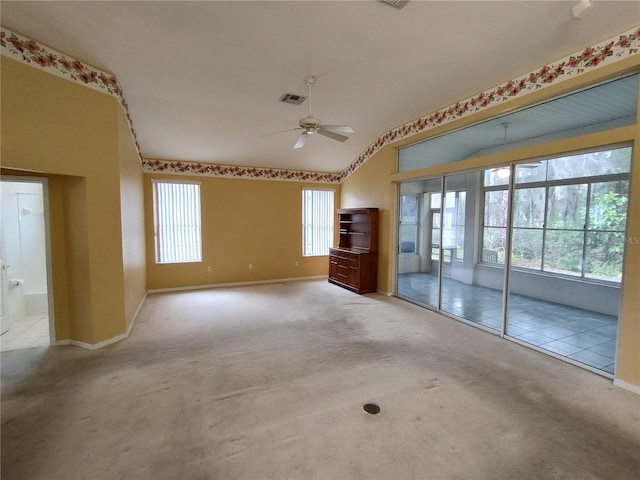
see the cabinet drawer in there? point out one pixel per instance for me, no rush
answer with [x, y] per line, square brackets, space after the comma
[355, 271]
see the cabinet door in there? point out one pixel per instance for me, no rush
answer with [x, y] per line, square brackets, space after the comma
[354, 271]
[343, 274]
[333, 267]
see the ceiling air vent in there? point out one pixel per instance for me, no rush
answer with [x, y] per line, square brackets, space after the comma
[396, 3]
[292, 98]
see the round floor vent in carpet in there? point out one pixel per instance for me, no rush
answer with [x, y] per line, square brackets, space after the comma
[371, 408]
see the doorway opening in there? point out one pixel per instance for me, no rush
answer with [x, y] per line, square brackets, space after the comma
[25, 314]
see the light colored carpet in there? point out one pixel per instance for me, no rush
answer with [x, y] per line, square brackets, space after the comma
[268, 382]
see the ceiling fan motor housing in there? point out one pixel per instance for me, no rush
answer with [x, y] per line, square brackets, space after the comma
[310, 123]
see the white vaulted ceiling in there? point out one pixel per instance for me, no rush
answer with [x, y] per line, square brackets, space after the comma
[203, 79]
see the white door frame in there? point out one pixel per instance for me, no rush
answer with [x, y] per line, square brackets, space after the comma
[47, 240]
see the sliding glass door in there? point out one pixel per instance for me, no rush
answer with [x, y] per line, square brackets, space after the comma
[569, 219]
[554, 235]
[468, 292]
[419, 239]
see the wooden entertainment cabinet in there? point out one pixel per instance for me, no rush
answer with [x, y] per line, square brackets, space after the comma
[354, 264]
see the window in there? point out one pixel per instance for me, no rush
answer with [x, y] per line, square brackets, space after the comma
[451, 222]
[317, 222]
[176, 216]
[435, 201]
[610, 105]
[569, 215]
[408, 223]
[460, 215]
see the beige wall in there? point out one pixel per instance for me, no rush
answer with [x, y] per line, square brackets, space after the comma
[372, 184]
[59, 271]
[628, 361]
[78, 260]
[132, 221]
[370, 187]
[244, 222]
[70, 134]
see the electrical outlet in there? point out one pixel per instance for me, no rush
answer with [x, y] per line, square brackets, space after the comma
[251, 266]
[209, 268]
[296, 263]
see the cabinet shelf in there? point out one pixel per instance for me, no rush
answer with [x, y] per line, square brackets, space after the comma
[358, 229]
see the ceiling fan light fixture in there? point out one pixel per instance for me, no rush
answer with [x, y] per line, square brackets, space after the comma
[311, 125]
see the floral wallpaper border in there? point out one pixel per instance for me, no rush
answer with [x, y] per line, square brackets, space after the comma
[605, 53]
[37, 55]
[232, 171]
[45, 58]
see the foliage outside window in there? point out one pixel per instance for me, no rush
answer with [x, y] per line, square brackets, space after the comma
[569, 215]
[317, 222]
[494, 235]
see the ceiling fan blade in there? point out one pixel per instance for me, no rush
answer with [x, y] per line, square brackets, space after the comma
[333, 135]
[281, 131]
[528, 165]
[338, 128]
[519, 165]
[301, 141]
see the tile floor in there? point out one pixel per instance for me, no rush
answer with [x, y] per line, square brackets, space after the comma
[29, 331]
[581, 335]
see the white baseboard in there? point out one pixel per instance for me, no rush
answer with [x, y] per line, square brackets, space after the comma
[627, 386]
[135, 315]
[112, 340]
[234, 284]
[109, 341]
[96, 346]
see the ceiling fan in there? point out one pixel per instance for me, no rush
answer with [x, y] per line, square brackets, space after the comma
[505, 171]
[311, 125]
